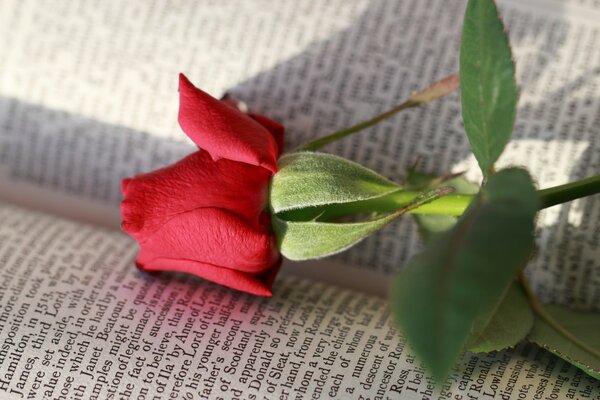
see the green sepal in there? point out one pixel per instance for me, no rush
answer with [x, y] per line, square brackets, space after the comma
[308, 179]
[304, 240]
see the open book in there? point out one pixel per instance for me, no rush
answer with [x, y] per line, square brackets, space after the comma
[88, 96]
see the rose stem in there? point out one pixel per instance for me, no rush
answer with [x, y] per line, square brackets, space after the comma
[325, 140]
[455, 204]
[570, 191]
[430, 93]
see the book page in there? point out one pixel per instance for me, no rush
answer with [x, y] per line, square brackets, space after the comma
[89, 95]
[79, 321]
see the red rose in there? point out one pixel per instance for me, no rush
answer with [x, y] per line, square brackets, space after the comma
[206, 214]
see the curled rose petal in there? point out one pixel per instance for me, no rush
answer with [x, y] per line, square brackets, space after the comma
[212, 236]
[224, 131]
[276, 129]
[194, 182]
[259, 284]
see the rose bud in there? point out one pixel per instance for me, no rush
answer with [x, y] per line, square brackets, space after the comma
[207, 214]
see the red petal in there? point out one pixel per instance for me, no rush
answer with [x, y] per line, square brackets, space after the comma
[224, 131]
[276, 129]
[259, 285]
[152, 199]
[212, 236]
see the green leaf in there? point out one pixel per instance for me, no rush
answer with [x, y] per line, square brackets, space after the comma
[487, 82]
[314, 179]
[505, 325]
[462, 273]
[305, 240]
[584, 326]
